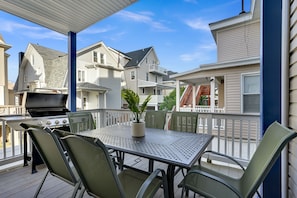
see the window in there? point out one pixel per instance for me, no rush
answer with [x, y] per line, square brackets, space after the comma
[147, 77]
[81, 76]
[95, 57]
[132, 74]
[156, 78]
[251, 93]
[102, 58]
[32, 60]
[84, 103]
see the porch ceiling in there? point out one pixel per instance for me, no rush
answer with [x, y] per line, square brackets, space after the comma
[64, 16]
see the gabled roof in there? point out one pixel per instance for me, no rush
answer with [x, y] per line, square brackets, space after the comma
[252, 15]
[91, 87]
[47, 53]
[137, 56]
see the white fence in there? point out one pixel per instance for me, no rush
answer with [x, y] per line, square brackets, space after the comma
[234, 134]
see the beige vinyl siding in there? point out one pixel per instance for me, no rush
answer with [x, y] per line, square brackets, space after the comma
[233, 92]
[239, 42]
[233, 87]
[292, 170]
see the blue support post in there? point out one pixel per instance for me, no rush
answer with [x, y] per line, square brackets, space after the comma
[72, 71]
[271, 83]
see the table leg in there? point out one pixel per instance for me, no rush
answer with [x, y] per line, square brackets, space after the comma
[170, 179]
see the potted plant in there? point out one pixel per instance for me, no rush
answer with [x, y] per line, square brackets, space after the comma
[133, 100]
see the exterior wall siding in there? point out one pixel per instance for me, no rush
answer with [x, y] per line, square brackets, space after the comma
[233, 88]
[292, 165]
[239, 42]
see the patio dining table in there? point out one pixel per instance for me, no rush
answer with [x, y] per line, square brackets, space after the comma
[170, 147]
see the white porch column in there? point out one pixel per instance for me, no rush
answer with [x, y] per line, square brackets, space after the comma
[177, 102]
[104, 100]
[193, 97]
[212, 94]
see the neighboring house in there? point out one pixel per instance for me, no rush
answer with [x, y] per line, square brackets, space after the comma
[235, 78]
[6, 93]
[144, 76]
[98, 74]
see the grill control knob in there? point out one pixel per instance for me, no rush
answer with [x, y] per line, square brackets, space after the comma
[57, 122]
[64, 121]
[48, 122]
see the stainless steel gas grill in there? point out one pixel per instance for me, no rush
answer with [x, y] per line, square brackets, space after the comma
[45, 109]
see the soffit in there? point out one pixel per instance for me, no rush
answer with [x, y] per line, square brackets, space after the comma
[64, 16]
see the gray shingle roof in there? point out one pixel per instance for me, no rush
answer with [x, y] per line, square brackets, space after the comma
[91, 86]
[137, 56]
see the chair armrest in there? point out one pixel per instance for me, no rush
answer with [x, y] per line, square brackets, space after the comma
[213, 177]
[149, 180]
[225, 156]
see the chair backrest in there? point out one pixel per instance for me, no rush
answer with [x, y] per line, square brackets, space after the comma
[52, 153]
[274, 140]
[155, 119]
[80, 121]
[94, 166]
[183, 121]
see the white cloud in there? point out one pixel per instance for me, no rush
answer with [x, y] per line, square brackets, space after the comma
[31, 31]
[11, 26]
[198, 24]
[96, 30]
[191, 1]
[144, 17]
[45, 35]
[202, 53]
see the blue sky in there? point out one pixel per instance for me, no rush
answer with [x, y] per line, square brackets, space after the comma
[177, 29]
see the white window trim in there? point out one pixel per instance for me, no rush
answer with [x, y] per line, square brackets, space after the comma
[242, 88]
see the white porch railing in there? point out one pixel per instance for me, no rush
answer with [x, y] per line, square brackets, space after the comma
[204, 109]
[11, 110]
[234, 134]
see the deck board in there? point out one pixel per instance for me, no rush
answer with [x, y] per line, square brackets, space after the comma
[18, 182]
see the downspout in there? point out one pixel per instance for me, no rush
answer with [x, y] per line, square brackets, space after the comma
[285, 88]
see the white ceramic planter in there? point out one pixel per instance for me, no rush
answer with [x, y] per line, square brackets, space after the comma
[138, 129]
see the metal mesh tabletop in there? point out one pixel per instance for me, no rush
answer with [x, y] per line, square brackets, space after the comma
[178, 148]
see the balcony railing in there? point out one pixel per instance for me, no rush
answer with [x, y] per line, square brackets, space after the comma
[234, 134]
[157, 69]
[156, 99]
[204, 109]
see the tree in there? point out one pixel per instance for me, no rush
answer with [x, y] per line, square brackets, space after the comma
[170, 101]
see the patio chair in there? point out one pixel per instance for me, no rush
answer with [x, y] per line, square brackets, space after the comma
[183, 121]
[52, 154]
[99, 177]
[210, 183]
[155, 119]
[83, 121]
[80, 121]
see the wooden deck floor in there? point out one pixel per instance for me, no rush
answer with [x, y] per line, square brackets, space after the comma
[18, 182]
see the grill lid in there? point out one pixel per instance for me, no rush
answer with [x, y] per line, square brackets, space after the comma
[46, 104]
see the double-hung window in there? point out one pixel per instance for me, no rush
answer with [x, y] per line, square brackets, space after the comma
[251, 93]
[81, 76]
